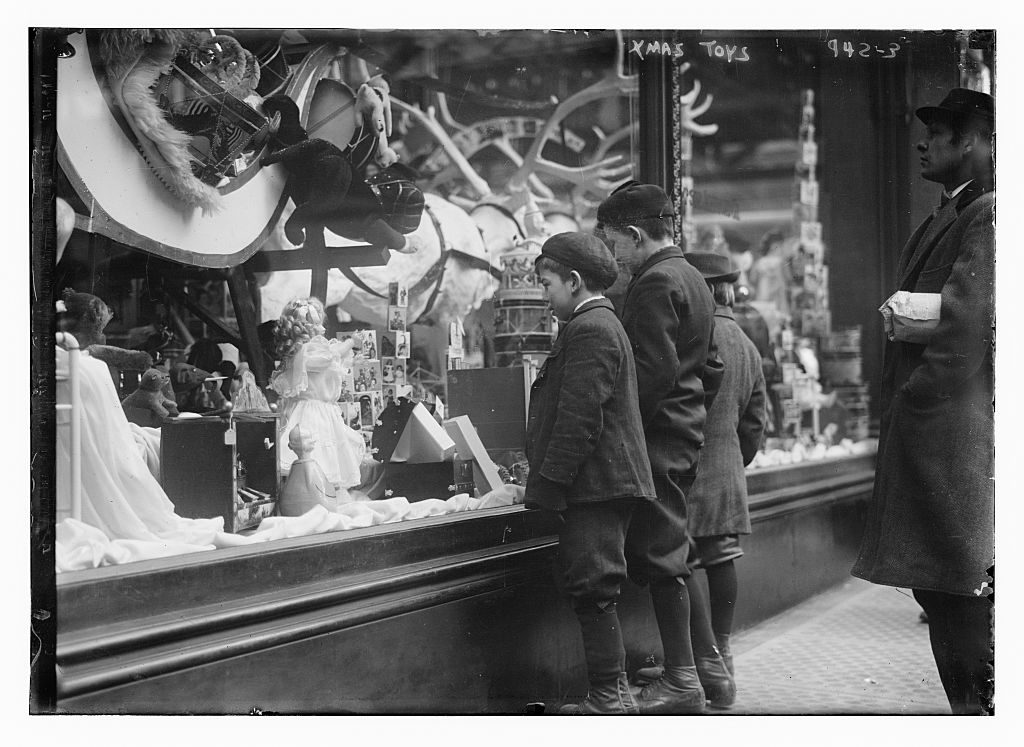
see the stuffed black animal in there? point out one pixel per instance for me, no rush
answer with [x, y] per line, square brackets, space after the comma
[325, 186]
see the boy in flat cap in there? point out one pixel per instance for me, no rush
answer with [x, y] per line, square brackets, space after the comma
[585, 445]
[668, 315]
[931, 522]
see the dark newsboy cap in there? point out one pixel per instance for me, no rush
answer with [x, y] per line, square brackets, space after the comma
[584, 253]
[634, 201]
[960, 102]
[715, 268]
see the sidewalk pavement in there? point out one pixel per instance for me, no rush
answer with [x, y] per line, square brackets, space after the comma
[855, 649]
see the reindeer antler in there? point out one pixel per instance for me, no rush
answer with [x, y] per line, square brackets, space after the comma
[689, 112]
[597, 177]
[429, 121]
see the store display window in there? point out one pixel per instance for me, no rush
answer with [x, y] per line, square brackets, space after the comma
[300, 274]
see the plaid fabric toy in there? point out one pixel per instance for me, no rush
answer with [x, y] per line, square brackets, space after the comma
[400, 198]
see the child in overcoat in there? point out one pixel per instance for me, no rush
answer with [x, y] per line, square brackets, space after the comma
[588, 459]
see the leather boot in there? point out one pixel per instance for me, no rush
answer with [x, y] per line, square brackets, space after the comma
[605, 698]
[677, 693]
[649, 674]
[606, 663]
[718, 684]
[722, 641]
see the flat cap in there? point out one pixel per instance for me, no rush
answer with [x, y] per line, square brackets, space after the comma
[634, 201]
[713, 267]
[584, 253]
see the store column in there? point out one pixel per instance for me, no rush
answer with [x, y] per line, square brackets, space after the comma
[660, 126]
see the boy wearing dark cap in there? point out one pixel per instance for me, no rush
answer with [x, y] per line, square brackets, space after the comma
[587, 456]
[668, 315]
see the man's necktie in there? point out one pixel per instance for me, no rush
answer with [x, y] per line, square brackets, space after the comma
[945, 199]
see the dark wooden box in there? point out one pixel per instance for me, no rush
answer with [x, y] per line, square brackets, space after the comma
[417, 482]
[495, 401]
[199, 468]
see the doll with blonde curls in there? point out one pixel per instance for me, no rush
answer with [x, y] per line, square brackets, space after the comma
[309, 381]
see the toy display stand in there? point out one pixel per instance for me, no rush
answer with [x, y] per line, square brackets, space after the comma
[522, 320]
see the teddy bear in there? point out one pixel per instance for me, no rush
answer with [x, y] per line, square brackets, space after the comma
[150, 404]
[325, 184]
[85, 316]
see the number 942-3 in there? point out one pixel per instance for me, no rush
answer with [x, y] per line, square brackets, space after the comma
[862, 49]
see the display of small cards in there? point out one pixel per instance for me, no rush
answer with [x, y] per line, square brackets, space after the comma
[368, 375]
[398, 295]
[393, 392]
[402, 344]
[364, 342]
[370, 406]
[810, 232]
[809, 192]
[397, 317]
[455, 358]
[809, 153]
[348, 386]
[388, 370]
[353, 415]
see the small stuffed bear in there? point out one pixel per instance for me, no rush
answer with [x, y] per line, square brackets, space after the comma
[325, 185]
[85, 316]
[149, 404]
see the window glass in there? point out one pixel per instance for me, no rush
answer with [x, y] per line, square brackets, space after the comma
[458, 150]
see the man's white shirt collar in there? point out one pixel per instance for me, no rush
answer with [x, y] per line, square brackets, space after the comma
[958, 190]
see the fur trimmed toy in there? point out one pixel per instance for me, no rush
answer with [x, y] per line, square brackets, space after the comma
[134, 60]
[85, 316]
[150, 404]
[324, 182]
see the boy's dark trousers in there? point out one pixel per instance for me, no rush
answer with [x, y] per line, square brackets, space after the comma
[594, 541]
[592, 566]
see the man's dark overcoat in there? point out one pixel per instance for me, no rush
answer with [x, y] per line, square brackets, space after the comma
[717, 502]
[668, 313]
[931, 522]
[584, 436]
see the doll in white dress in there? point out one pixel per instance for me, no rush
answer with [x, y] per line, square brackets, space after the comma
[309, 381]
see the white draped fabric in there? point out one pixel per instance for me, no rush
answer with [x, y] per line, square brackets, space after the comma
[126, 516]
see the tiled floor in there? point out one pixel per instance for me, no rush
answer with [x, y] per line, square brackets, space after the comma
[856, 649]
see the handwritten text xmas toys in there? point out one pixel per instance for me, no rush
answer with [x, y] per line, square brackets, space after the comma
[727, 52]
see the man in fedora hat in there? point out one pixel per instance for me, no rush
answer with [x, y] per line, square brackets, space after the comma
[667, 313]
[931, 523]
